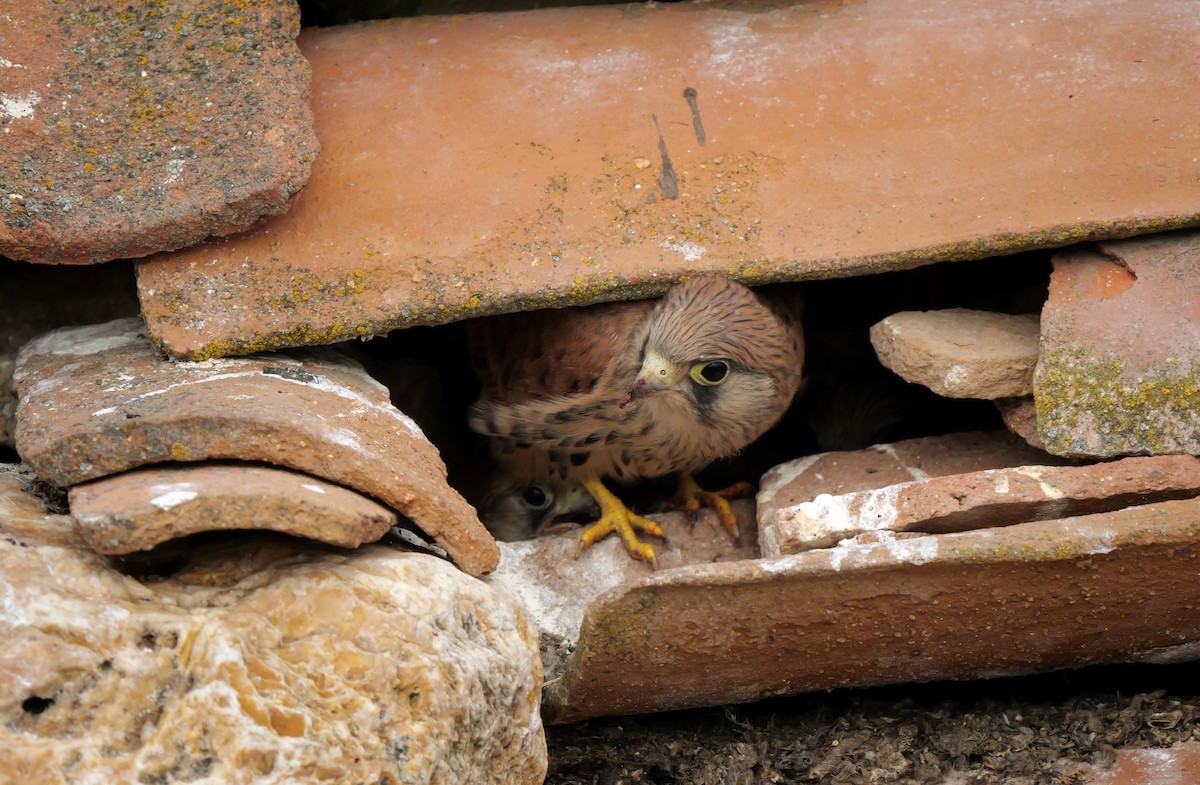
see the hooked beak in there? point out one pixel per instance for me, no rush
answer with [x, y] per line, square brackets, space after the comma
[657, 374]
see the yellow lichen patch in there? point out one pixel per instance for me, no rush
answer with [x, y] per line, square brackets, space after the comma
[1091, 405]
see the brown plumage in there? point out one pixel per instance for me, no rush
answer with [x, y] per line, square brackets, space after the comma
[635, 390]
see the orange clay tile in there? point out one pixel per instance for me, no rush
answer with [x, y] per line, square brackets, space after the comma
[497, 162]
[96, 401]
[1015, 599]
[1117, 372]
[134, 511]
[131, 128]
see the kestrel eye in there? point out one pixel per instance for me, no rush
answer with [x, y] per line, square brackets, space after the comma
[535, 498]
[710, 373]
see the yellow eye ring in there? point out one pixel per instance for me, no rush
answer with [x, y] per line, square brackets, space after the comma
[710, 373]
[536, 498]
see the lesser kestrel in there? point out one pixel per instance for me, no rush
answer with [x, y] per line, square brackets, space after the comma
[625, 391]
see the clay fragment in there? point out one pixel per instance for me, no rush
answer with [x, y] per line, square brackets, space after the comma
[98, 400]
[139, 509]
[961, 353]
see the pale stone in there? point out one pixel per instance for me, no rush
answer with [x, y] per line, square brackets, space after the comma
[258, 660]
[961, 353]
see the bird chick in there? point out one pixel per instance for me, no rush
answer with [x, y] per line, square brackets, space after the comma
[625, 391]
[513, 511]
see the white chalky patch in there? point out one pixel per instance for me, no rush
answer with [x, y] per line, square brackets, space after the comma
[955, 377]
[913, 471]
[345, 437]
[17, 107]
[691, 251]
[1035, 473]
[79, 341]
[553, 609]
[171, 499]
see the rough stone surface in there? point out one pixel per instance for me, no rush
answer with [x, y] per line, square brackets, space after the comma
[260, 660]
[995, 497]
[1020, 417]
[837, 473]
[960, 353]
[625, 148]
[137, 510]
[556, 586]
[98, 400]
[1118, 372]
[24, 515]
[35, 299]
[131, 128]
[1018, 599]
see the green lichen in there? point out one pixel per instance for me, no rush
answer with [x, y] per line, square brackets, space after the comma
[1092, 405]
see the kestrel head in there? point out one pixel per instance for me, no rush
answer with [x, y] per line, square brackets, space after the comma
[514, 511]
[713, 343]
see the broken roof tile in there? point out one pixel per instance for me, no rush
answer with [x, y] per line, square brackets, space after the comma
[959, 352]
[131, 128]
[982, 499]
[1016, 599]
[136, 510]
[98, 400]
[499, 162]
[1119, 371]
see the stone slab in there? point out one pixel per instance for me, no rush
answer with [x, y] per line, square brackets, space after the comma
[131, 128]
[1118, 373]
[98, 400]
[977, 500]
[1026, 598]
[959, 352]
[500, 162]
[255, 659]
[137, 510]
[556, 583]
[837, 473]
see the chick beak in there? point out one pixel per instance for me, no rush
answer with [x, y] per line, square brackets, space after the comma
[657, 374]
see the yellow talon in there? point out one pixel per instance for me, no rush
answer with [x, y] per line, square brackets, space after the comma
[616, 517]
[690, 498]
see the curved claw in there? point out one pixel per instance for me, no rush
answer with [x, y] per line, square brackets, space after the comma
[691, 497]
[616, 517]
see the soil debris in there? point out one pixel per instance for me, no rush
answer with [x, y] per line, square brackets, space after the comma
[1055, 729]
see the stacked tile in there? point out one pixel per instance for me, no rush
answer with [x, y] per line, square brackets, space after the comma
[97, 402]
[255, 659]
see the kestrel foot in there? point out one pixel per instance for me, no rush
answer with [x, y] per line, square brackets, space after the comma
[690, 498]
[616, 517]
